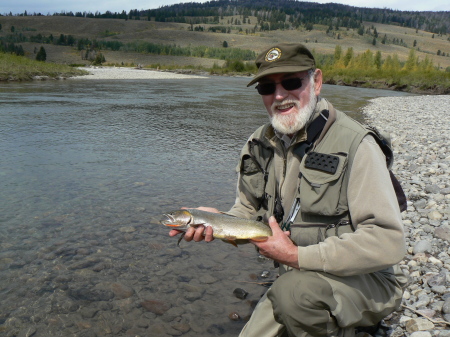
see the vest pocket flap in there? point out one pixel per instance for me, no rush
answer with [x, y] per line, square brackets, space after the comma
[248, 166]
[251, 177]
[318, 168]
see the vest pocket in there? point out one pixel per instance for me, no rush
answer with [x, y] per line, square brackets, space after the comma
[320, 190]
[252, 179]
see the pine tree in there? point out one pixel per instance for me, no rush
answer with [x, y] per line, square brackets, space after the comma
[41, 55]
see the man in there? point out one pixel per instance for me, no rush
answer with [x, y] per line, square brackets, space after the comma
[321, 181]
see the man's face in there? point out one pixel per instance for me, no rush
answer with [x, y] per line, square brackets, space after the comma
[290, 110]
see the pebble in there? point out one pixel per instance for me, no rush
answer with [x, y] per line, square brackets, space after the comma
[240, 293]
[234, 316]
[420, 136]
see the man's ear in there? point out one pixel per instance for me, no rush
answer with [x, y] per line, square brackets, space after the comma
[317, 81]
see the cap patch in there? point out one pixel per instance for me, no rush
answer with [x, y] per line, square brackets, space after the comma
[273, 55]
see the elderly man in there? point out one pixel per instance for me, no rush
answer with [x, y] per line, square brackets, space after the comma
[321, 182]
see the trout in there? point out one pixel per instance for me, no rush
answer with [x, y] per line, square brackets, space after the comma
[225, 227]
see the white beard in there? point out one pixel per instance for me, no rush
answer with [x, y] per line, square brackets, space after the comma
[289, 124]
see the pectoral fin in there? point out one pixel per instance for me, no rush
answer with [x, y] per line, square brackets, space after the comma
[181, 238]
[230, 240]
[259, 238]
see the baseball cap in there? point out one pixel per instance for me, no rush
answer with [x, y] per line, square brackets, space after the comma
[283, 58]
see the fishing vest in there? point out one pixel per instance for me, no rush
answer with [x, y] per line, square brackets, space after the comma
[323, 177]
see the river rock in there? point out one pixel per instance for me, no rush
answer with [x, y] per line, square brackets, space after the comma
[421, 334]
[434, 189]
[121, 291]
[423, 246]
[442, 232]
[446, 306]
[234, 316]
[156, 306]
[418, 324]
[434, 215]
[437, 280]
[240, 293]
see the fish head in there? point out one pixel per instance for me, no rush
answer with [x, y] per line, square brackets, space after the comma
[180, 219]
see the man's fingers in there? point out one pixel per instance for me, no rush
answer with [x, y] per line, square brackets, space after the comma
[209, 234]
[174, 232]
[198, 234]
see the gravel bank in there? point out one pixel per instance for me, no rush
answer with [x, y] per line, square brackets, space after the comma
[420, 131]
[122, 73]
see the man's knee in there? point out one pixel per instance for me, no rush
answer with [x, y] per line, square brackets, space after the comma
[296, 289]
[303, 301]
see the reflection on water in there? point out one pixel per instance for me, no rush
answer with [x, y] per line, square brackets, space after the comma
[86, 169]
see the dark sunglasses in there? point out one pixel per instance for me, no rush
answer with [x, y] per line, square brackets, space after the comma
[269, 88]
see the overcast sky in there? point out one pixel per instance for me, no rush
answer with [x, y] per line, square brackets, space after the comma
[56, 6]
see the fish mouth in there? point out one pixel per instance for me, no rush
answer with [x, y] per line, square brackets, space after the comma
[169, 221]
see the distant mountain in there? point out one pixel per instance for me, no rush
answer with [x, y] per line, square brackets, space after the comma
[295, 13]
[283, 14]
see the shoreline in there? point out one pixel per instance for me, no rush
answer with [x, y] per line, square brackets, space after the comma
[420, 138]
[128, 73]
[106, 72]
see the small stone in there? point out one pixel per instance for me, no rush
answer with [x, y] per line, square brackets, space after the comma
[438, 263]
[121, 291]
[418, 324]
[442, 232]
[421, 334]
[437, 280]
[446, 306]
[434, 215]
[439, 289]
[240, 293]
[182, 327]
[427, 312]
[423, 246]
[434, 189]
[156, 306]
[234, 316]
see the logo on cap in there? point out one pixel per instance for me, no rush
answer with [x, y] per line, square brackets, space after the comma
[273, 55]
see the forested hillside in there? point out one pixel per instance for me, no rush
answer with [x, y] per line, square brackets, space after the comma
[229, 33]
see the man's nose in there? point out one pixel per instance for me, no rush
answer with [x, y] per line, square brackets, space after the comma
[280, 93]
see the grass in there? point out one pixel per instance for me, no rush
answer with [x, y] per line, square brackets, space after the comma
[20, 68]
[417, 81]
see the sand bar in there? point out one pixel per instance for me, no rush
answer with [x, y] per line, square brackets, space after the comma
[123, 73]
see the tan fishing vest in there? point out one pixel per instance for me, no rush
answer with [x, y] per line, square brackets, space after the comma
[322, 183]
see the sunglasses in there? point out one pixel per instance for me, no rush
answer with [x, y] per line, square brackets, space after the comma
[289, 84]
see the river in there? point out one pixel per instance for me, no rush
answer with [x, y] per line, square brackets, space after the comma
[87, 167]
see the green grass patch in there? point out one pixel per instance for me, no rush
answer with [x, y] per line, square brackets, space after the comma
[20, 68]
[421, 81]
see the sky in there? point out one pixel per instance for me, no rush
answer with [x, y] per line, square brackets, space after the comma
[56, 6]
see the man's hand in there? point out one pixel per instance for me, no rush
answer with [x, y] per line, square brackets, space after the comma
[279, 246]
[198, 234]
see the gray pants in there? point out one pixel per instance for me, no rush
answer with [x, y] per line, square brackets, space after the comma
[306, 303]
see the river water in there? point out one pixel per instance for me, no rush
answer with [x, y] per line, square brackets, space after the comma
[87, 167]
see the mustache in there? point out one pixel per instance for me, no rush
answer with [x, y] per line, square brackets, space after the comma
[275, 105]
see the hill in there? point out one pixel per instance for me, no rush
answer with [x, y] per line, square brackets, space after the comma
[180, 35]
[242, 27]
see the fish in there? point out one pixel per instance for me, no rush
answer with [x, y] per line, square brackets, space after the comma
[228, 228]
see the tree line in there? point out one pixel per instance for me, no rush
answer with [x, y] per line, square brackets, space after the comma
[280, 13]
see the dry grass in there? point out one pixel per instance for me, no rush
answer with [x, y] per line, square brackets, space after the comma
[19, 68]
[178, 34]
